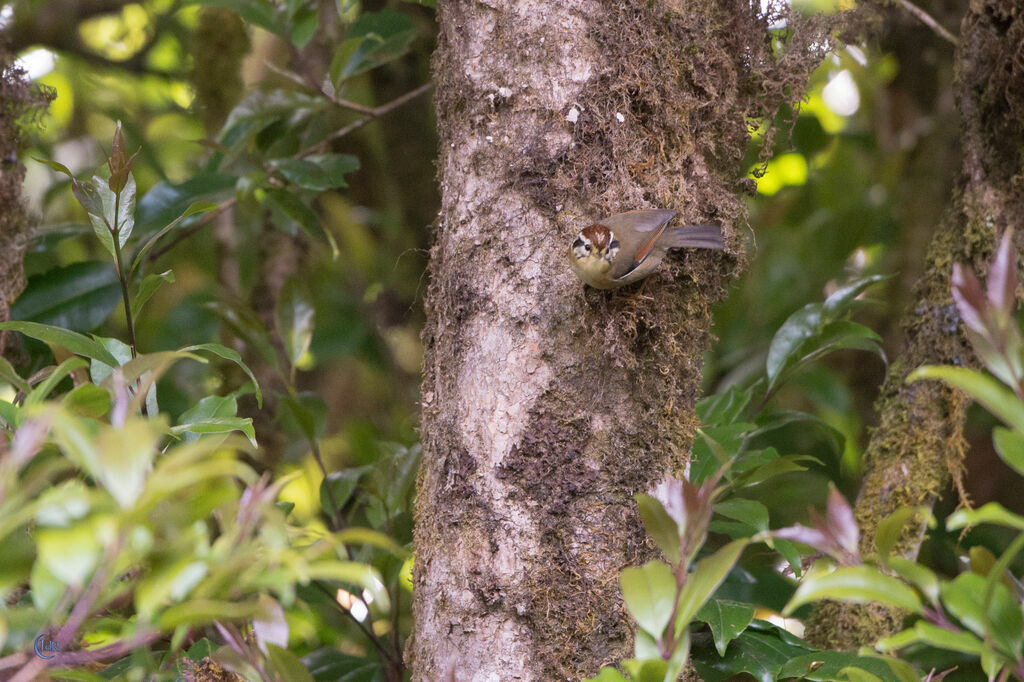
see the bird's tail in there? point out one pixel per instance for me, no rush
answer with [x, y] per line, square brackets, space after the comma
[694, 237]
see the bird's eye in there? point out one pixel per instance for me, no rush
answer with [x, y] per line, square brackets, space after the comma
[580, 243]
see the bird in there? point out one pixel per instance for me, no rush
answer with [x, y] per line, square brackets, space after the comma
[626, 247]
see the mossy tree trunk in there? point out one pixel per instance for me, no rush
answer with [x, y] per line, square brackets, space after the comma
[547, 406]
[919, 440]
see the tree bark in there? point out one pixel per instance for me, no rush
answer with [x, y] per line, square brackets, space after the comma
[919, 441]
[547, 406]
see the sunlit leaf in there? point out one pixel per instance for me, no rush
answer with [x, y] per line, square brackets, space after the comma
[649, 592]
[856, 584]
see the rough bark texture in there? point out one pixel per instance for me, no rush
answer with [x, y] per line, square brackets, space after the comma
[18, 98]
[546, 406]
[919, 441]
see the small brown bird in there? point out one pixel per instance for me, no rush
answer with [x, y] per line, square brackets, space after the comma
[627, 247]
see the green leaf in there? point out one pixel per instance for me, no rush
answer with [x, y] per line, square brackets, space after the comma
[193, 209]
[723, 408]
[918, 575]
[157, 363]
[288, 665]
[295, 318]
[8, 374]
[231, 356]
[1010, 446]
[147, 288]
[166, 202]
[933, 635]
[827, 665]
[201, 427]
[318, 172]
[753, 515]
[891, 527]
[87, 400]
[660, 526]
[839, 301]
[856, 584]
[77, 297]
[338, 487]
[42, 391]
[704, 579]
[295, 209]
[373, 39]
[167, 583]
[758, 654]
[199, 612]
[72, 341]
[727, 619]
[964, 597]
[70, 554]
[798, 328]
[649, 592]
[209, 407]
[649, 670]
[993, 512]
[327, 664]
[992, 395]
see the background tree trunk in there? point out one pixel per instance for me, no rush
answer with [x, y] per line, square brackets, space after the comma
[547, 406]
[919, 440]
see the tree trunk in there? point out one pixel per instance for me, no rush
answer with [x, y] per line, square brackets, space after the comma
[919, 441]
[547, 406]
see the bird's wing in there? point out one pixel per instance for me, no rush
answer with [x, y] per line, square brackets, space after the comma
[637, 232]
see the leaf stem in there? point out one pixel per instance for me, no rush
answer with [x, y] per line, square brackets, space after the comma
[121, 275]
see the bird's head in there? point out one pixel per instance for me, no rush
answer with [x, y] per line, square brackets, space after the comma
[595, 249]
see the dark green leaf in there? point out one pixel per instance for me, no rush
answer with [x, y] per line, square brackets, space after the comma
[838, 302]
[77, 297]
[727, 619]
[338, 487]
[330, 665]
[758, 654]
[72, 341]
[373, 39]
[825, 666]
[295, 209]
[753, 515]
[199, 427]
[798, 328]
[318, 173]
[723, 408]
[165, 202]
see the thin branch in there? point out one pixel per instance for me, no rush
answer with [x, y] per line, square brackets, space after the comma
[377, 644]
[374, 113]
[929, 21]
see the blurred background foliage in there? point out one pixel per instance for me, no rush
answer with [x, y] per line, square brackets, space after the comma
[863, 167]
